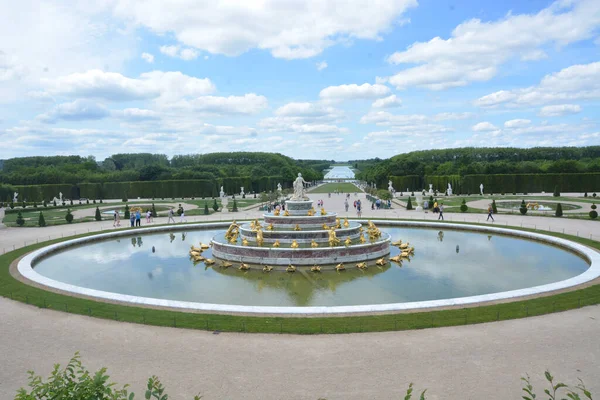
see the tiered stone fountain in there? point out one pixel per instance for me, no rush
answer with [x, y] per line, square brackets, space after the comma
[300, 237]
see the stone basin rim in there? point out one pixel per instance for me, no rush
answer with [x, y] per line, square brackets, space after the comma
[25, 268]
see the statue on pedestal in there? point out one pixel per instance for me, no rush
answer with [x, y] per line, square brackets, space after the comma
[242, 191]
[390, 187]
[222, 192]
[299, 192]
[279, 188]
[449, 190]
[430, 189]
[15, 196]
[481, 189]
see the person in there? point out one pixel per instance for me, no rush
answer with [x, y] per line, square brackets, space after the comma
[490, 211]
[346, 205]
[132, 219]
[117, 221]
[182, 214]
[358, 209]
[138, 218]
[435, 207]
[441, 209]
[171, 215]
[148, 216]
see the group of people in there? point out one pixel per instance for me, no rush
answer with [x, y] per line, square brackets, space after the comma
[181, 213]
[135, 218]
[320, 203]
[358, 208]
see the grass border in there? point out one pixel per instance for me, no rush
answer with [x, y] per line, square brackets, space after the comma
[19, 291]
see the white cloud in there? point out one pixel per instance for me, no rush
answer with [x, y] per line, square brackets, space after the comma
[476, 49]
[291, 125]
[559, 110]
[149, 58]
[116, 87]
[298, 29]
[136, 114]
[387, 102]
[353, 92]
[517, 123]
[577, 82]
[186, 54]
[321, 65]
[484, 127]
[309, 112]
[78, 110]
[384, 118]
[446, 116]
[215, 105]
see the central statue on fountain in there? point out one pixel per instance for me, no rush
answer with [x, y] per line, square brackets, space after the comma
[299, 192]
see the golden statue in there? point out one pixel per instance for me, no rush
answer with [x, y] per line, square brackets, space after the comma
[337, 223]
[404, 246]
[333, 240]
[234, 227]
[225, 264]
[209, 261]
[362, 265]
[347, 242]
[244, 242]
[361, 229]
[325, 226]
[270, 227]
[233, 238]
[196, 249]
[276, 212]
[259, 237]
[257, 224]
[346, 223]
[244, 267]
[323, 212]
[276, 244]
[252, 227]
[267, 268]
[397, 258]
[373, 231]
[311, 212]
[297, 228]
[315, 268]
[204, 246]
[294, 244]
[362, 238]
[381, 262]
[291, 268]
[404, 254]
[340, 267]
[314, 244]
[286, 213]
[397, 243]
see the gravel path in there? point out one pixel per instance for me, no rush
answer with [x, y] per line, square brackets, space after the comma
[468, 362]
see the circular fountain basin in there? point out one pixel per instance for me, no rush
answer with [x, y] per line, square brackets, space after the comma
[306, 235]
[452, 265]
[306, 221]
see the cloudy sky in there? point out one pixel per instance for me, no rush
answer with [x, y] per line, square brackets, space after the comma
[334, 79]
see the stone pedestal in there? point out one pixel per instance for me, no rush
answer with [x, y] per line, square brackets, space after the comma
[224, 202]
[298, 207]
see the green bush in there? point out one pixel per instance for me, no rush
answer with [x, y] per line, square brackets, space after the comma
[206, 212]
[98, 216]
[593, 214]
[464, 207]
[45, 204]
[559, 211]
[235, 207]
[523, 208]
[71, 201]
[87, 201]
[593, 206]
[126, 213]
[20, 221]
[153, 211]
[409, 204]
[41, 220]
[494, 208]
[12, 205]
[585, 194]
[54, 203]
[556, 192]
[216, 205]
[69, 216]
[23, 204]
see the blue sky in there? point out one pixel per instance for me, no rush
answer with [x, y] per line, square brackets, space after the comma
[335, 79]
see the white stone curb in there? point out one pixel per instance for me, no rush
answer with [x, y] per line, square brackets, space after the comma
[593, 272]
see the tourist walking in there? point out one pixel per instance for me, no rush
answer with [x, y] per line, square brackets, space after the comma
[358, 209]
[181, 214]
[117, 219]
[171, 215]
[346, 205]
[441, 210]
[148, 215]
[490, 211]
[138, 218]
[132, 219]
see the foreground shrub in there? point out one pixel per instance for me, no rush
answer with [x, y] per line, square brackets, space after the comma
[464, 207]
[98, 216]
[409, 204]
[559, 212]
[494, 208]
[556, 192]
[593, 214]
[69, 216]
[523, 208]
[20, 221]
[41, 220]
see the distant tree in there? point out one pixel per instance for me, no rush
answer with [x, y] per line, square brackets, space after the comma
[215, 206]
[69, 216]
[235, 207]
[559, 211]
[45, 204]
[126, 213]
[98, 216]
[556, 192]
[494, 208]
[464, 207]
[41, 220]
[54, 203]
[71, 201]
[206, 212]
[409, 204]
[87, 201]
[20, 221]
[523, 208]
[153, 211]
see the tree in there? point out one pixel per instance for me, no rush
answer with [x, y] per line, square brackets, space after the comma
[430, 205]
[235, 207]
[206, 212]
[464, 207]
[556, 192]
[384, 194]
[54, 203]
[559, 211]
[45, 204]
[126, 213]
[98, 216]
[593, 214]
[215, 206]
[494, 208]
[523, 208]
[409, 204]
[153, 211]
[20, 221]
[41, 220]
[69, 216]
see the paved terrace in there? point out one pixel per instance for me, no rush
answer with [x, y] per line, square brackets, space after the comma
[467, 362]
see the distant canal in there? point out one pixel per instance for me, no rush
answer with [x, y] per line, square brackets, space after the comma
[340, 173]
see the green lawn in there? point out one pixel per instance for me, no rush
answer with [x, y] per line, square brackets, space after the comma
[340, 187]
[16, 290]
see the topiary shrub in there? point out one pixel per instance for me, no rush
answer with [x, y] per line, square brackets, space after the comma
[494, 209]
[101, 201]
[430, 205]
[464, 207]
[409, 204]
[593, 214]
[556, 192]
[45, 204]
[523, 208]
[206, 211]
[234, 208]
[87, 201]
[69, 216]
[12, 205]
[71, 201]
[98, 216]
[23, 204]
[20, 221]
[412, 194]
[585, 194]
[594, 194]
[54, 203]
[124, 199]
[153, 211]
[94, 201]
[559, 211]
[593, 207]
[126, 213]
[41, 220]
[215, 205]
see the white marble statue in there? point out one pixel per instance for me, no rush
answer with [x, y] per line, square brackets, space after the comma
[242, 191]
[279, 188]
[481, 189]
[430, 188]
[390, 187]
[222, 192]
[419, 201]
[449, 190]
[15, 196]
[299, 192]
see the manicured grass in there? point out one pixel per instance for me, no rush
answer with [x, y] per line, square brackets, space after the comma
[10, 287]
[340, 187]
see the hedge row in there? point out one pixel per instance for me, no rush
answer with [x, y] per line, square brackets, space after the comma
[149, 189]
[502, 183]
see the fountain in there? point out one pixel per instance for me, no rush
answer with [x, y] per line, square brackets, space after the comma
[300, 237]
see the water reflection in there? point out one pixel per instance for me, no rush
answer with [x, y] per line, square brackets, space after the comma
[446, 264]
